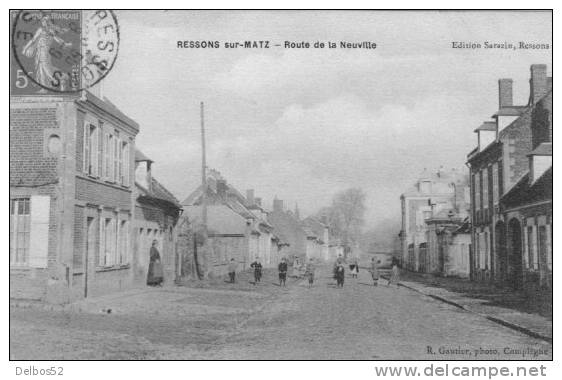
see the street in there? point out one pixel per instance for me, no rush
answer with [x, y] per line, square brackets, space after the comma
[265, 321]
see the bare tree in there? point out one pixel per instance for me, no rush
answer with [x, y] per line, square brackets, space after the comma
[345, 216]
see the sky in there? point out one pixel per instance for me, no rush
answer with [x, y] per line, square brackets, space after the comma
[303, 124]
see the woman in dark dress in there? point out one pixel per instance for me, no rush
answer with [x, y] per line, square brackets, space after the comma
[155, 271]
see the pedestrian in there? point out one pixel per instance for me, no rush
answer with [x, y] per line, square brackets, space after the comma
[232, 266]
[374, 271]
[257, 266]
[309, 272]
[282, 272]
[339, 261]
[340, 275]
[354, 268]
[296, 267]
[394, 275]
[155, 275]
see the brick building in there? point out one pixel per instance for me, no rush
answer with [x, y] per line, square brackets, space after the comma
[71, 204]
[498, 164]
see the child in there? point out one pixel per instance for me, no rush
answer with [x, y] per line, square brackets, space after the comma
[310, 272]
[232, 270]
[374, 271]
[394, 276]
[257, 270]
[282, 272]
[340, 275]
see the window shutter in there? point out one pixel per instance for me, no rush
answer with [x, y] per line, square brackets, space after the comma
[39, 231]
[94, 152]
[126, 172]
[120, 162]
[106, 156]
[86, 148]
[100, 152]
[116, 159]
[111, 155]
[101, 258]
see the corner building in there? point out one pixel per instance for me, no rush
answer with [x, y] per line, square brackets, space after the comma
[71, 197]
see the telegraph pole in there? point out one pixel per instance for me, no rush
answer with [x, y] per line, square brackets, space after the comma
[203, 171]
[203, 201]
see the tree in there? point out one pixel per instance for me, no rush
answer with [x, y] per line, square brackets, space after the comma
[345, 216]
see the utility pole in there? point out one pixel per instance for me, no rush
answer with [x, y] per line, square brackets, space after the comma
[203, 171]
[203, 200]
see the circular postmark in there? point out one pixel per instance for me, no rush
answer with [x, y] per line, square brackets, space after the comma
[62, 51]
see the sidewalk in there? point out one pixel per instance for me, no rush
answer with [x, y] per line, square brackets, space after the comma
[532, 324]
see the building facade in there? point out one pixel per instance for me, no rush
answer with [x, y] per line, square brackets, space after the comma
[498, 164]
[237, 227]
[156, 214]
[71, 197]
[431, 194]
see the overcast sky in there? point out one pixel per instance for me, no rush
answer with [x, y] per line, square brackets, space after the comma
[304, 124]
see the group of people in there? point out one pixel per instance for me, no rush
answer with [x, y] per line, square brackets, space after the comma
[155, 275]
[282, 268]
[339, 271]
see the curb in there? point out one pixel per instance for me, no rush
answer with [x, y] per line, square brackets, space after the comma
[489, 317]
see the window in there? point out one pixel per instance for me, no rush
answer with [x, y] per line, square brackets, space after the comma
[486, 250]
[543, 246]
[91, 148]
[485, 188]
[116, 175]
[114, 242]
[477, 191]
[477, 250]
[531, 247]
[482, 245]
[495, 184]
[124, 164]
[106, 156]
[110, 157]
[124, 242]
[20, 220]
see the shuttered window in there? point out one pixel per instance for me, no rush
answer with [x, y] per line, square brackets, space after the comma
[19, 231]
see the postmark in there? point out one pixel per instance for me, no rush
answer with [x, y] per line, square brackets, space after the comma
[61, 51]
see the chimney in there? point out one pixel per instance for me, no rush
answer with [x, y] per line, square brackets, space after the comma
[250, 197]
[538, 82]
[221, 188]
[506, 92]
[278, 205]
[257, 201]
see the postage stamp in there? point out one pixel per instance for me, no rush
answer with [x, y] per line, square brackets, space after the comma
[61, 51]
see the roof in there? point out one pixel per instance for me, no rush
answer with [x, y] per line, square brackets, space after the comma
[486, 126]
[221, 220]
[160, 192]
[510, 111]
[544, 149]
[110, 108]
[157, 192]
[524, 192]
[140, 156]
[233, 200]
